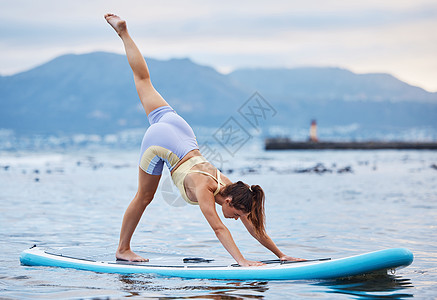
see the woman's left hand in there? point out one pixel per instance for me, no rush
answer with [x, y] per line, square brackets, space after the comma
[289, 258]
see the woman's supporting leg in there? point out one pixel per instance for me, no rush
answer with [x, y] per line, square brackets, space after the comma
[149, 97]
[147, 185]
[150, 100]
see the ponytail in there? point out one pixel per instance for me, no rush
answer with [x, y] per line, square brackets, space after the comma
[249, 199]
[257, 214]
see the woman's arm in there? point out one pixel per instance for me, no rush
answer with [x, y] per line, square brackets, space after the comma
[266, 241]
[207, 206]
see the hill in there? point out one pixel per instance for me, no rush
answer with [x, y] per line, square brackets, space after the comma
[95, 93]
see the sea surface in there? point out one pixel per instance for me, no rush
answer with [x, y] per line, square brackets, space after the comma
[318, 204]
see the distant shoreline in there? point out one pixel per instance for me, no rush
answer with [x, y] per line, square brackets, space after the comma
[287, 144]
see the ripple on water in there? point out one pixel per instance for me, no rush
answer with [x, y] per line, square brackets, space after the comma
[308, 215]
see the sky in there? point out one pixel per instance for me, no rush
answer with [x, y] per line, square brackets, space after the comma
[365, 36]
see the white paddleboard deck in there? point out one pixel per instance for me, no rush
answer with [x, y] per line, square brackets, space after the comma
[383, 260]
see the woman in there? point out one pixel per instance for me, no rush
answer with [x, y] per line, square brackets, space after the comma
[171, 140]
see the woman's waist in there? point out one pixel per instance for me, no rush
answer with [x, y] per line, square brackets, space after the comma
[181, 170]
[193, 153]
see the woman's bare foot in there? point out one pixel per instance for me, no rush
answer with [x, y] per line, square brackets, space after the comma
[117, 23]
[129, 255]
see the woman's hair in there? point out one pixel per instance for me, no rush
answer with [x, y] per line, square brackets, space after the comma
[248, 199]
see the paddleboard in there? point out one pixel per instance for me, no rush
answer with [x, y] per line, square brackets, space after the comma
[383, 260]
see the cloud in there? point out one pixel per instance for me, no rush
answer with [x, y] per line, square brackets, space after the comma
[366, 36]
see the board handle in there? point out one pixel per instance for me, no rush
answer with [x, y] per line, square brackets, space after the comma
[196, 260]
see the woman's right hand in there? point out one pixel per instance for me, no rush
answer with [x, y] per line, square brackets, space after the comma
[250, 263]
[289, 258]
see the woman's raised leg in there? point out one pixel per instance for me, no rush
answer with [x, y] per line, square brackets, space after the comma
[147, 185]
[149, 97]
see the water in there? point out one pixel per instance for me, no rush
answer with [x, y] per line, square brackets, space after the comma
[76, 199]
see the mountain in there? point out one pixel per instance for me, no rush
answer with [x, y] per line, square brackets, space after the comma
[95, 93]
[339, 97]
[326, 84]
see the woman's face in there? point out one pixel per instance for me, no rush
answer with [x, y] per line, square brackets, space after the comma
[231, 212]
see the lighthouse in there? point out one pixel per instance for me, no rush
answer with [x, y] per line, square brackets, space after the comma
[313, 131]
